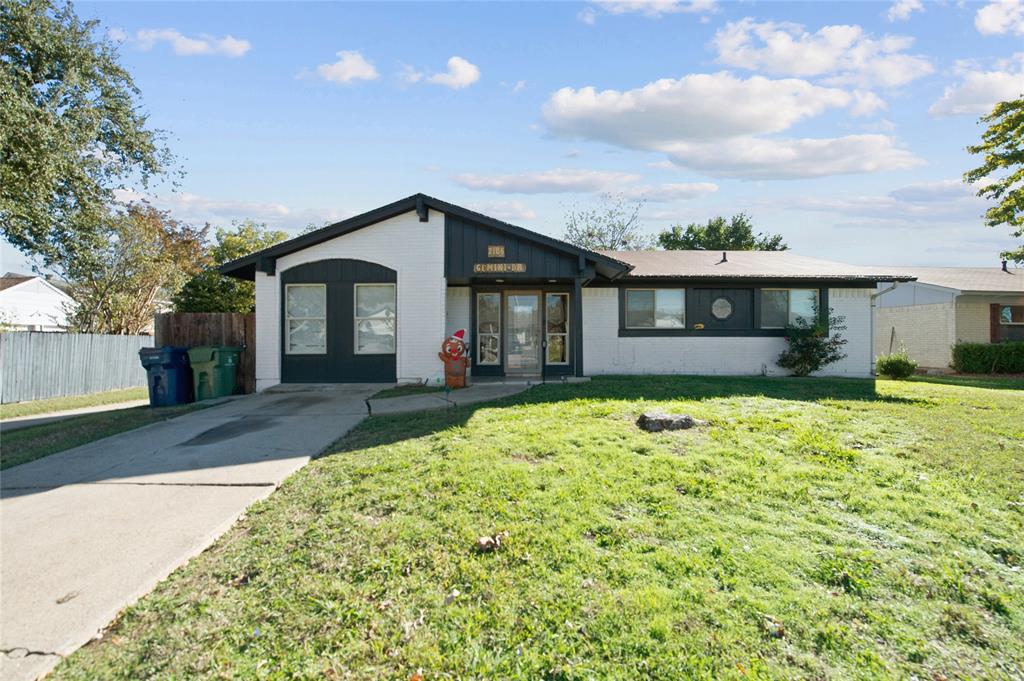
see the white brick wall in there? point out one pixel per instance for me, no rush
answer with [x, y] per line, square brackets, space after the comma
[605, 353]
[927, 331]
[415, 250]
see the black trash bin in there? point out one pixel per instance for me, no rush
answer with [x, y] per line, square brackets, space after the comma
[168, 375]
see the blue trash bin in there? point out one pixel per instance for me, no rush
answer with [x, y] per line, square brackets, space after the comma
[168, 375]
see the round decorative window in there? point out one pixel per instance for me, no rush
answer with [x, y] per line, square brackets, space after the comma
[721, 309]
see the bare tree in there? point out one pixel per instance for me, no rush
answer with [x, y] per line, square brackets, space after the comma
[613, 225]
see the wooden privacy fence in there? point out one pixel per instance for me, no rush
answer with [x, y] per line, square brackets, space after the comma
[37, 366]
[189, 329]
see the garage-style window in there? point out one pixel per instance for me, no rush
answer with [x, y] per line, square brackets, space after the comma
[650, 308]
[305, 312]
[557, 315]
[780, 307]
[1011, 314]
[375, 319]
[488, 328]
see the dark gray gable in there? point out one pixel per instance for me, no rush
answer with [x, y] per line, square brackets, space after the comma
[475, 250]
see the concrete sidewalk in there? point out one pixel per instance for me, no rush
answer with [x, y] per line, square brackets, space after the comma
[19, 422]
[90, 530]
[478, 392]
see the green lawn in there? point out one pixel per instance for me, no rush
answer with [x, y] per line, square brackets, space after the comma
[10, 411]
[815, 529]
[34, 442]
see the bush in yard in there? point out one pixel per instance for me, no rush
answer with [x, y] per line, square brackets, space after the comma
[982, 358]
[896, 365]
[810, 346]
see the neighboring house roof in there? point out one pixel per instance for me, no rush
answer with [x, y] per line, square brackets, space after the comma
[10, 279]
[245, 268]
[762, 265]
[968, 279]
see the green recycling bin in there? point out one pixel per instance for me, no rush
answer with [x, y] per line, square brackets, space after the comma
[214, 370]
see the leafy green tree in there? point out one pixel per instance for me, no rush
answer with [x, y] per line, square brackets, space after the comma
[211, 291]
[613, 225]
[718, 235]
[1001, 176]
[72, 130]
[142, 259]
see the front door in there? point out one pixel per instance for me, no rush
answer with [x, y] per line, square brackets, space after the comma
[522, 333]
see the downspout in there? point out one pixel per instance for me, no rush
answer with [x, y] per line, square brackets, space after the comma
[874, 297]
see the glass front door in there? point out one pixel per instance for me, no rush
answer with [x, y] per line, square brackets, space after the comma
[522, 333]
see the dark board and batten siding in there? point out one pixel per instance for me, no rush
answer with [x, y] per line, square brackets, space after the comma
[340, 364]
[466, 244]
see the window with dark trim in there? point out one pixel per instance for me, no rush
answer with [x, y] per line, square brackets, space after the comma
[305, 313]
[488, 328]
[782, 306]
[1011, 314]
[655, 308]
[375, 307]
[557, 331]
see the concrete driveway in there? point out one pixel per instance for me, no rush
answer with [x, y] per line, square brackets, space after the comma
[88, 531]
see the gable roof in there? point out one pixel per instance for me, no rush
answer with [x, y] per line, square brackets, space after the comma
[11, 279]
[969, 279]
[245, 267]
[756, 265]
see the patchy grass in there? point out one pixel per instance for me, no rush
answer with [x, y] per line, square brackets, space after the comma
[10, 411]
[1009, 382]
[408, 389]
[816, 529]
[34, 442]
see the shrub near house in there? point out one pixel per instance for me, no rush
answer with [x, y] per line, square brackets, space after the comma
[982, 358]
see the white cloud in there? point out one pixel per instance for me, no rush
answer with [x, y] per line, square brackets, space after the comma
[866, 103]
[409, 75]
[902, 9]
[921, 204]
[197, 209]
[558, 180]
[588, 15]
[979, 90]
[182, 45]
[664, 193]
[118, 35]
[460, 74]
[845, 54]
[351, 66]
[1001, 17]
[507, 210]
[655, 9]
[697, 106]
[662, 165]
[713, 123]
[784, 159]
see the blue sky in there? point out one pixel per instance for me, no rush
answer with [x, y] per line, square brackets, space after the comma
[841, 125]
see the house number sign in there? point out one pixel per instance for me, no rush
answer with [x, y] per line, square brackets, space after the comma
[496, 251]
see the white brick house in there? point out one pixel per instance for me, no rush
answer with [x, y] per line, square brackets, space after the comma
[370, 299]
[946, 306]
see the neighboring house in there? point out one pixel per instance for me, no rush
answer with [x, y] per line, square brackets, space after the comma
[948, 305]
[32, 303]
[371, 298]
